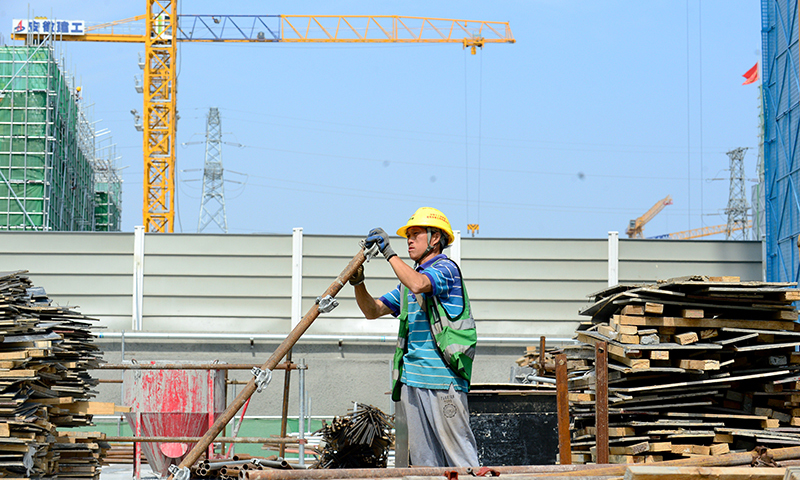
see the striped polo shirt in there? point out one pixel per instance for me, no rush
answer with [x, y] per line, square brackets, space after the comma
[423, 366]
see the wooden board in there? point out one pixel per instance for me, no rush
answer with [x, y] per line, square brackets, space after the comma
[699, 364]
[686, 338]
[709, 381]
[704, 323]
[768, 346]
[637, 472]
[635, 351]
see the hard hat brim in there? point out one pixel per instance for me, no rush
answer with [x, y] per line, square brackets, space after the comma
[402, 231]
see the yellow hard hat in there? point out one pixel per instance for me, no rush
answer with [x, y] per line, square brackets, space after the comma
[429, 217]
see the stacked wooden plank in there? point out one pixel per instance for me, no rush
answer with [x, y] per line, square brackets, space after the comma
[696, 366]
[79, 454]
[45, 352]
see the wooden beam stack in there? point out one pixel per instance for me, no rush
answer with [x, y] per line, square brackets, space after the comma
[697, 366]
[45, 352]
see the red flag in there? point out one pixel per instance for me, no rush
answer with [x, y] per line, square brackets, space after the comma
[751, 75]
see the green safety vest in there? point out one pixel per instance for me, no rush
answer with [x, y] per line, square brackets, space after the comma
[455, 337]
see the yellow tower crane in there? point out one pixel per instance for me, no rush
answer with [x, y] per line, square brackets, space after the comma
[636, 226]
[164, 27]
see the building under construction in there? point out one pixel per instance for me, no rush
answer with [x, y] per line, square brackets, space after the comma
[55, 173]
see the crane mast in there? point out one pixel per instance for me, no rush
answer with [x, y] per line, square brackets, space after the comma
[159, 119]
[164, 28]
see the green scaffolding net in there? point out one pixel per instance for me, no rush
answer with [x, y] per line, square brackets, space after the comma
[48, 174]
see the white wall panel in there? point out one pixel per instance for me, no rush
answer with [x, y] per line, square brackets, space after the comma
[89, 270]
[215, 324]
[75, 263]
[532, 289]
[216, 286]
[242, 283]
[532, 249]
[652, 260]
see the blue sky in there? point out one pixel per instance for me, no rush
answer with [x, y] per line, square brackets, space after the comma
[599, 110]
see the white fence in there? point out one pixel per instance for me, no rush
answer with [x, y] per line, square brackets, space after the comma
[240, 285]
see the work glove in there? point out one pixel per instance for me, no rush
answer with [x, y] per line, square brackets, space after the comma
[381, 238]
[358, 276]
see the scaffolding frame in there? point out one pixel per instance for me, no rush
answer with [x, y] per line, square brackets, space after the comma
[278, 443]
[107, 186]
[780, 80]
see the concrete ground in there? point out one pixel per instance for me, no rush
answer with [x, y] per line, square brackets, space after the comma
[125, 472]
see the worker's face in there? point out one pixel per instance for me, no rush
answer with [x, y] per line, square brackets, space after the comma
[417, 239]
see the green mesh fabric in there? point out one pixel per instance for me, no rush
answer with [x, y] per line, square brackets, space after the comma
[46, 179]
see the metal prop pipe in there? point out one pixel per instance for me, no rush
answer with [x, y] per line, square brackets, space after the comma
[274, 337]
[535, 476]
[301, 420]
[230, 471]
[368, 473]
[190, 366]
[562, 402]
[273, 463]
[542, 343]
[282, 440]
[601, 401]
[248, 390]
[536, 378]
[542, 471]
[222, 463]
[726, 460]
[285, 407]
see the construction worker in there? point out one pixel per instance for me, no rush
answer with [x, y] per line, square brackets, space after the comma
[435, 344]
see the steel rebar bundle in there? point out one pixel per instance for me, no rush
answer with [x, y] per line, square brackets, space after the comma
[360, 439]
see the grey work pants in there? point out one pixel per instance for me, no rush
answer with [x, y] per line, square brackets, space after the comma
[438, 427]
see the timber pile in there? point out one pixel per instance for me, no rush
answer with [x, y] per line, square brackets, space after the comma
[79, 454]
[45, 352]
[530, 363]
[531, 359]
[696, 366]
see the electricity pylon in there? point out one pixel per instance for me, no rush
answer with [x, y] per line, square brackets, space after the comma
[212, 203]
[738, 209]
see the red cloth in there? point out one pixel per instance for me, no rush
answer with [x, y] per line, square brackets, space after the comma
[751, 75]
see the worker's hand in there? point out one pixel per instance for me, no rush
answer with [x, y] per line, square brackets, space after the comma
[358, 276]
[381, 238]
